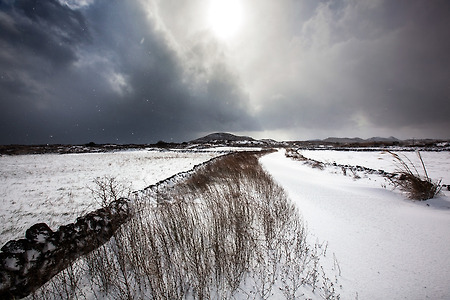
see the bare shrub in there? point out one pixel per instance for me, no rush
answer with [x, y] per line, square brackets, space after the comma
[65, 285]
[107, 189]
[408, 179]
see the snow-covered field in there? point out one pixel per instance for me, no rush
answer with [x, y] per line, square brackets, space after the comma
[55, 189]
[387, 247]
[436, 163]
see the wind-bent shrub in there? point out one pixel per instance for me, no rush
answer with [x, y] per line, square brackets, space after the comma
[410, 181]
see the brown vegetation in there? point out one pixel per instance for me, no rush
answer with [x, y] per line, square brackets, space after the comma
[410, 181]
[228, 230]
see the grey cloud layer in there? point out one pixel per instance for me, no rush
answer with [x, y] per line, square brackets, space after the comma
[364, 64]
[141, 71]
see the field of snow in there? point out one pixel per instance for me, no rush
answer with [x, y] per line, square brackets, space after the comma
[436, 163]
[55, 189]
[386, 246]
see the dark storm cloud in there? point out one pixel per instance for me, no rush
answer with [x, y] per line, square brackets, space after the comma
[44, 29]
[106, 72]
[38, 43]
[34, 45]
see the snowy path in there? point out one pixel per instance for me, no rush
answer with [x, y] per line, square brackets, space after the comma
[387, 246]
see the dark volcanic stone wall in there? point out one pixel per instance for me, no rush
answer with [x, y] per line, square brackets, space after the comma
[27, 264]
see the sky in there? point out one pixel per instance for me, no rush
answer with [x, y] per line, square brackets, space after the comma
[141, 71]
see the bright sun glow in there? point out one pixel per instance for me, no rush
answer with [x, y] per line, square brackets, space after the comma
[225, 17]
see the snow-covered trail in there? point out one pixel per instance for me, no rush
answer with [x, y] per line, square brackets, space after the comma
[387, 247]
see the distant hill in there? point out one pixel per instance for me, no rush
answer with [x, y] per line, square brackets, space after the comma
[222, 137]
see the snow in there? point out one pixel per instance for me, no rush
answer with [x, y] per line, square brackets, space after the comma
[436, 163]
[387, 247]
[227, 149]
[55, 188]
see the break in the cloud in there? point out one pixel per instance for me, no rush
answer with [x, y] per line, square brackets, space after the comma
[141, 71]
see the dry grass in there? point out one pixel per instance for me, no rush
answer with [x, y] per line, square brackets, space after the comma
[227, 231]
[408, 179]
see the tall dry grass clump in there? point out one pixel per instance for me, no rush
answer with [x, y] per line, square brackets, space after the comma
[227, 231]
[409, 180]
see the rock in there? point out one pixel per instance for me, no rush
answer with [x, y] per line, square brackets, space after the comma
[12, 261]
[38, 233]
[5, 280]
[66, 232]
[16, 246]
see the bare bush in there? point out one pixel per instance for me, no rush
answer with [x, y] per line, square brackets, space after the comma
[409, 180]
[107, 189]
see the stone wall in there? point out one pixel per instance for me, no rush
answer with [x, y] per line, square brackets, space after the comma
[27, 264]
